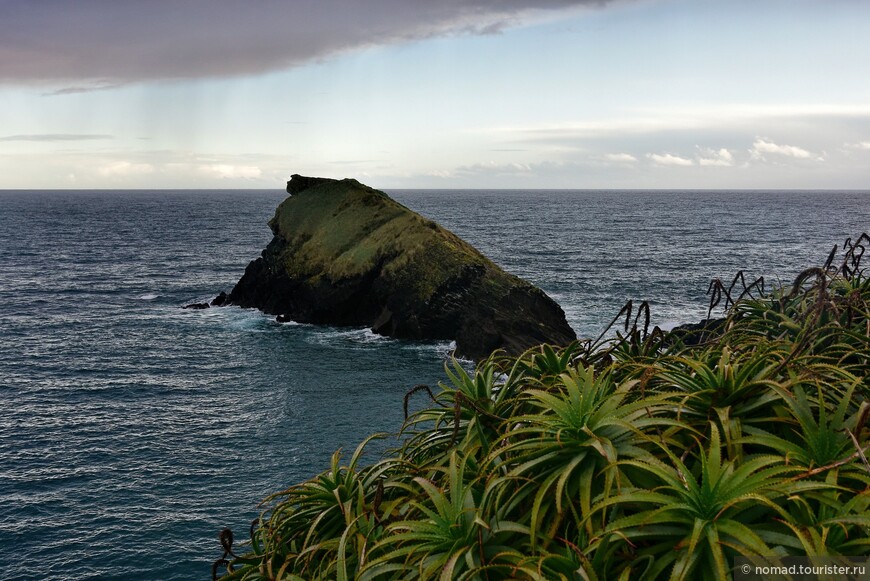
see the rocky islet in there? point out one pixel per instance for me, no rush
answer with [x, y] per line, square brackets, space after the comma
[345, 254]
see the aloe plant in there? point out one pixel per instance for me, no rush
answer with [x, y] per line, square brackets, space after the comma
[448, 529]
[817, 438]
[560, 457]
[637, 457]
[698, 517]
[830, 523]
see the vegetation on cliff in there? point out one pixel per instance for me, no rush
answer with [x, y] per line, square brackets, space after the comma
[646, 456]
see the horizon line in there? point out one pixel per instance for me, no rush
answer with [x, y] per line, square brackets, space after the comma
[474, 189]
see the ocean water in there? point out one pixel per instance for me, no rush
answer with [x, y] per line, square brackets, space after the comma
[133, 431]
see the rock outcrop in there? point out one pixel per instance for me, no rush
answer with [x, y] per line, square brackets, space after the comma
[697, 333]
[345, 254]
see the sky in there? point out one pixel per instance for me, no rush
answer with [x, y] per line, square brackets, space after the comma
[635, 94]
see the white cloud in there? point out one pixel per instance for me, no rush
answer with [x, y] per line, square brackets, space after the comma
[151, 169]
[124, 169]
[720, 158]
[762, 147]
[226, 171]
[620, 157]
[756, 111]
[865, 145]
[50, 137]
[670, 129]
[438, 173]
[572, 130]
[669, 159]
[493, 168]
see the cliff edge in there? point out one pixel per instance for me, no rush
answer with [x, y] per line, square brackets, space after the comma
[346, 254]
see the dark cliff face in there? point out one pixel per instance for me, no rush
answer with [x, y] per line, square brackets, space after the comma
[346, 254]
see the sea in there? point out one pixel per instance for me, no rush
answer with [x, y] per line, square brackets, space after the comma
[133, 430]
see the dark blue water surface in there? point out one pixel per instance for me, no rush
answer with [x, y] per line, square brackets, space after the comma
[133, 430]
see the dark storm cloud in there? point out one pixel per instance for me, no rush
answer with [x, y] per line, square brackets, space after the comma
[106, 42]
[83, 89]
